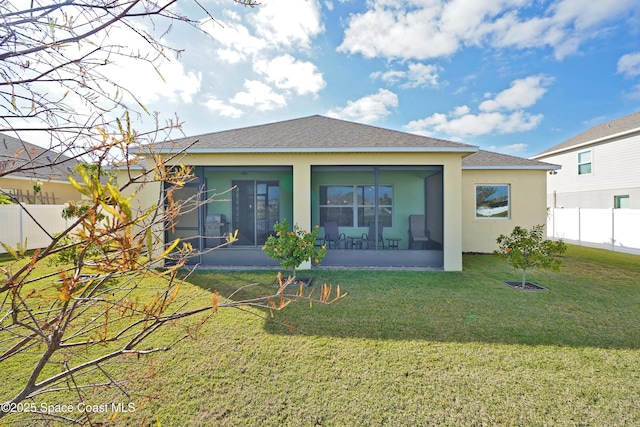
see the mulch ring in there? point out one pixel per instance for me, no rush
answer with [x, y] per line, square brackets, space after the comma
[528, 286]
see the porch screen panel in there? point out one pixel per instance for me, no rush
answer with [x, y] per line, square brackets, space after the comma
[186, 225]
[337, 204]
[243, 216]
[256, 209]
[367, 203]
[380, 201]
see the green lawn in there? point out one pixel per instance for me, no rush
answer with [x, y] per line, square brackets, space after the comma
[411, 348]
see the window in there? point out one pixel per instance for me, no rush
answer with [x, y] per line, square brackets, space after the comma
[492, 201]
[621, 202]
[336, 204]
[355, 205]
[584, 162]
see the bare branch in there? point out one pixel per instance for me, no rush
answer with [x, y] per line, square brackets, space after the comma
[100, 289]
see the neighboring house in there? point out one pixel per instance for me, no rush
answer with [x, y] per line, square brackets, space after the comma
[317, 170]
[599, 167]
[23, 165]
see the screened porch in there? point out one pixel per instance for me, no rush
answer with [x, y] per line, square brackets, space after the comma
[383, 216]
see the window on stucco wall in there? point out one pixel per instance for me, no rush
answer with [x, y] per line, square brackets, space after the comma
[493, 201]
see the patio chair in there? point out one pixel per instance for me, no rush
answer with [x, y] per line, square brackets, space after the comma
[369, 238]
[332, 235]
[417, 231]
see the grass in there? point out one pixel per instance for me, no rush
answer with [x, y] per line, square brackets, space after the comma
[411, 348]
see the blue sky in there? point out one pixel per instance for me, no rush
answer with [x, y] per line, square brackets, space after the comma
[513, 76]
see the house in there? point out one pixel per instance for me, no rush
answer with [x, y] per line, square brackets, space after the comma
[598, 167]
[320, 171]
[24, 165]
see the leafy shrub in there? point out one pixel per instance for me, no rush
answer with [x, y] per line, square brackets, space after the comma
[525, 249]
[292, 248]
[69, 249]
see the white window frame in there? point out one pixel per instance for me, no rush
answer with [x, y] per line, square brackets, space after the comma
[590, 162]
[483, 217]
[617, 199]
[355, 205]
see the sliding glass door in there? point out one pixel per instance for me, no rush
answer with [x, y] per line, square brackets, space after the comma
[256, 208]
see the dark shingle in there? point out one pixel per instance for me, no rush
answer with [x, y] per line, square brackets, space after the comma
[490, 160]
[314, 133]
[318, 134]
[19, 158]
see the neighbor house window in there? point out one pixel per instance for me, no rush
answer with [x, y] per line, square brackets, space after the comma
[355, 205]
[492, 201]
[621, 202]
[584, 162]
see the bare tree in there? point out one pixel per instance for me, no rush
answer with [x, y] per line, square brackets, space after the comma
[53, 61]
[104, 299]
[99, 290]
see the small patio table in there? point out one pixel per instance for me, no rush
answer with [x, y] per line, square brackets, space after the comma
[392, 242]
[354, 242]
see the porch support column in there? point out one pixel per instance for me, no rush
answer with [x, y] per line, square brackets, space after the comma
[302, 200]
[452, 188]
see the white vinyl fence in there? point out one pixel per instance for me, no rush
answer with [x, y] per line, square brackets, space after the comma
[16, 224]
[614, 229]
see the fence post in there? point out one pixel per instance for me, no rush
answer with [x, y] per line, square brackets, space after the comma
[613, 229]
[20, 222]
[579, 229]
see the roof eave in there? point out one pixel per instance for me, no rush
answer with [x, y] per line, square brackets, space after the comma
[541, 167]
[56, 180]
[470, 149]
[587, 143]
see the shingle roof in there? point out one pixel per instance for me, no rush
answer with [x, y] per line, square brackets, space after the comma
[324, 134]
[599, 132]
[313, 134]
[490, 160]
[36, 161]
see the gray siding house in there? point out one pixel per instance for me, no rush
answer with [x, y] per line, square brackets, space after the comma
[599, 167]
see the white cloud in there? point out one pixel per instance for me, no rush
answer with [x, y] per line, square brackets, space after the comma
[166, 79]
[470, 125]
[514, 148]
[503, 114]
[629, 64]
[238, 44]
[391, 77]
[223, 109]
[290, 74]
[462, 110]
[416, 75]
[258, 95]
[523, 93]
[267, 38]
[423, 29]
[274, 25]
[368, 109]
[230, 55]
[170, 81]
[635, 93]
[421, 75]
[564, 26]
[584, 15]
[288, 23]
[397, 33]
